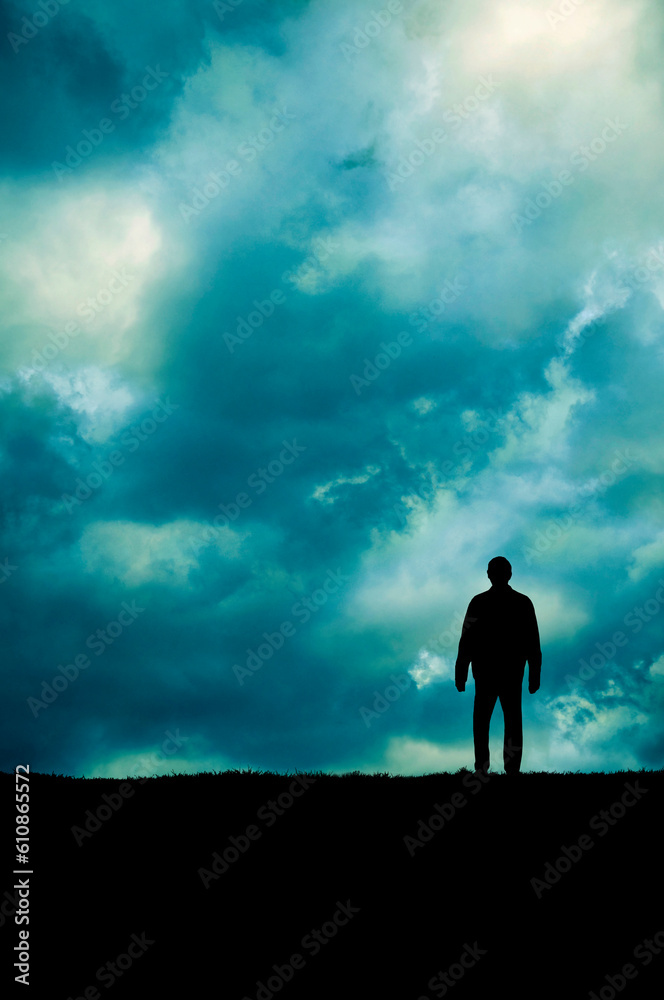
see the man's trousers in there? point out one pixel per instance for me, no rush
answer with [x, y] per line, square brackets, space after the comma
[487, 692]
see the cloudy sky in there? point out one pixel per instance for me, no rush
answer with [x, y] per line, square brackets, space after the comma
[307, 313]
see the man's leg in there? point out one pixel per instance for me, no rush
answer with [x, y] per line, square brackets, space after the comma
[510, 700]
[485, 700]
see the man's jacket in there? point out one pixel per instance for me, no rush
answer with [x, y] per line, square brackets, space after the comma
[499, 634]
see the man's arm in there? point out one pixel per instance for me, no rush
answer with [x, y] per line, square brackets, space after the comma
[465, 654]
[534, 655]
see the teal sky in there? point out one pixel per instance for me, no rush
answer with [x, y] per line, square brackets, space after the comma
[307, 313]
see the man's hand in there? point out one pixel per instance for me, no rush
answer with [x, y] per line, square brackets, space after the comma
[533, 687]
[459, 686]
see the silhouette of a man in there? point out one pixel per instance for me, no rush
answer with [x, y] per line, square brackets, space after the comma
[499, 634]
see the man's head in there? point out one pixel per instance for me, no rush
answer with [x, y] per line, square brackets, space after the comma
[499, 570]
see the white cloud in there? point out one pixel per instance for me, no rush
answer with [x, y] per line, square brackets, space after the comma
[154, 762]
[594, 728]
[539, 423]
[647, 557]
[136, 554]
[82, 261]
[410, 756]
[423, 405]
[418, 581]
[431, 669]
[326, 493]
[99, 396]
[656, 669]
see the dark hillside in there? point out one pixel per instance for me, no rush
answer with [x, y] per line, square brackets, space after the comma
[319, 886]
